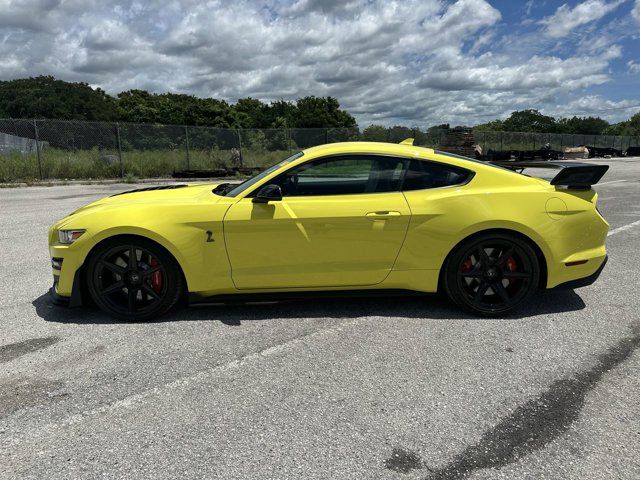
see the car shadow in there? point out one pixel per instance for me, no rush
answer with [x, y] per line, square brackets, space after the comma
[428, 307]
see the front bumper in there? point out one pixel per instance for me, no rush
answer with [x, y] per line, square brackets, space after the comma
[75, 300]
[66, 265]
[582, 282]
[58, 299]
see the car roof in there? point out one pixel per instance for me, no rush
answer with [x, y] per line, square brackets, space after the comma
[368, 147]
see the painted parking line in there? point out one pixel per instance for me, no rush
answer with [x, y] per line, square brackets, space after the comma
[623, 228]
[609, 183]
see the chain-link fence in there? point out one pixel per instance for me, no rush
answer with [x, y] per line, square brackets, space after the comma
[43, 149]
[522, 141]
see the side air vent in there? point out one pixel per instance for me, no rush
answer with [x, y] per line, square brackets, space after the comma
[148, 189]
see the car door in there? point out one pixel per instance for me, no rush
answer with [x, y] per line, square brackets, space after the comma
[341, 222]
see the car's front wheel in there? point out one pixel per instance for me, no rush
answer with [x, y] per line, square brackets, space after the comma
[132, 278]
[491, 274]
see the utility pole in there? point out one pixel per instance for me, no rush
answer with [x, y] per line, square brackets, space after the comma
[35, 131]
[186, 139]
[119, 149]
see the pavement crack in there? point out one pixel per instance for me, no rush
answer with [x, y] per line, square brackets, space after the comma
[536, 423]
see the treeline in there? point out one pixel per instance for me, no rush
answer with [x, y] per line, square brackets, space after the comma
[46, 97]
[534, 121]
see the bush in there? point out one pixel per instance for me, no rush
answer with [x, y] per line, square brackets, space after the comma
[101, 164]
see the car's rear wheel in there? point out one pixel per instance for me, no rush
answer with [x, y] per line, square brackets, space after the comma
[491, 274]
[132, 278]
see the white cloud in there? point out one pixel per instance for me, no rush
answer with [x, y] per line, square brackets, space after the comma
[566, 19]
[595, 105]
[633, 67]
[416, 62]
[635, 13]
[528, 6]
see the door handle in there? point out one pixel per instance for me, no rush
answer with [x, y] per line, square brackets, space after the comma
[383, 214]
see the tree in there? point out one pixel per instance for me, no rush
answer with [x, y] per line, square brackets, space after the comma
[375, 133]
[322, 112]
[582, 125]
[493, 126]
[630, 127]
[280, 114]
[46, 97]
[250, 113]
[529, 121]
[141, 106]
[398, 133]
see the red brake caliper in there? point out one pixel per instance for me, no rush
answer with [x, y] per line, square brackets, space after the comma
[511, 265]
[156, 278]
[467, 265]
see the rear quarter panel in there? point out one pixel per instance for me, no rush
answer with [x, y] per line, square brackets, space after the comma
[563, 224]
[442, 218]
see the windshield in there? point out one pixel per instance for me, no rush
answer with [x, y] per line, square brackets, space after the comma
[238, 189]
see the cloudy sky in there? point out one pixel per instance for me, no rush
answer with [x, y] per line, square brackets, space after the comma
[411, 62]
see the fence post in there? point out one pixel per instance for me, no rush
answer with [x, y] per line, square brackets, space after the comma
[501, 135]
[186, 139]
[119, 149]
[37, 137]
[326, 136]
[240, 147]
[289, 140]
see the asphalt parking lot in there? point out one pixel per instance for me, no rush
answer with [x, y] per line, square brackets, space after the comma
[377, 388]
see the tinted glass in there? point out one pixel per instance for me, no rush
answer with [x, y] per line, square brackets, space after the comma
[422, 175]
[253, 180]
[343, 175]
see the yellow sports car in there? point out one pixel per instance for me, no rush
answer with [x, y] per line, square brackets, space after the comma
[344, 218]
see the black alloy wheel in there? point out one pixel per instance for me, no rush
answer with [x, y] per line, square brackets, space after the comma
[492, 274]
[131, 278]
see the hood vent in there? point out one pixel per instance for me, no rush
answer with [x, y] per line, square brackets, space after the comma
[148, 189]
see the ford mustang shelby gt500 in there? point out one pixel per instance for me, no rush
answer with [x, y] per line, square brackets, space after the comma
[344, 217]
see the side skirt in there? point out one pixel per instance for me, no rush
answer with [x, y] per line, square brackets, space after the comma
[240, 298]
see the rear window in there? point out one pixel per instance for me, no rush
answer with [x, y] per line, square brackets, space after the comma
[423, 175]
[469, 159]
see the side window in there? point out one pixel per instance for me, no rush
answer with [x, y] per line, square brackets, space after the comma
[422, 175]
[342, 175]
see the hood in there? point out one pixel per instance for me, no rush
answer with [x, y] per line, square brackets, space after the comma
[149, 196]
[157, 194]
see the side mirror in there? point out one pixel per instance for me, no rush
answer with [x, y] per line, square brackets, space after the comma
[268, 193]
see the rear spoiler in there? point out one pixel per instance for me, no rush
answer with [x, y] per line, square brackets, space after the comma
[572, 174]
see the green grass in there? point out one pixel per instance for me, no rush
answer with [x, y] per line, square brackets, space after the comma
[101, 164]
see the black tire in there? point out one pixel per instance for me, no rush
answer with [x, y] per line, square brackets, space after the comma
[129, 290]
[491, 274]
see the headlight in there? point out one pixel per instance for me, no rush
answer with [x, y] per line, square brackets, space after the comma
[67, 237]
